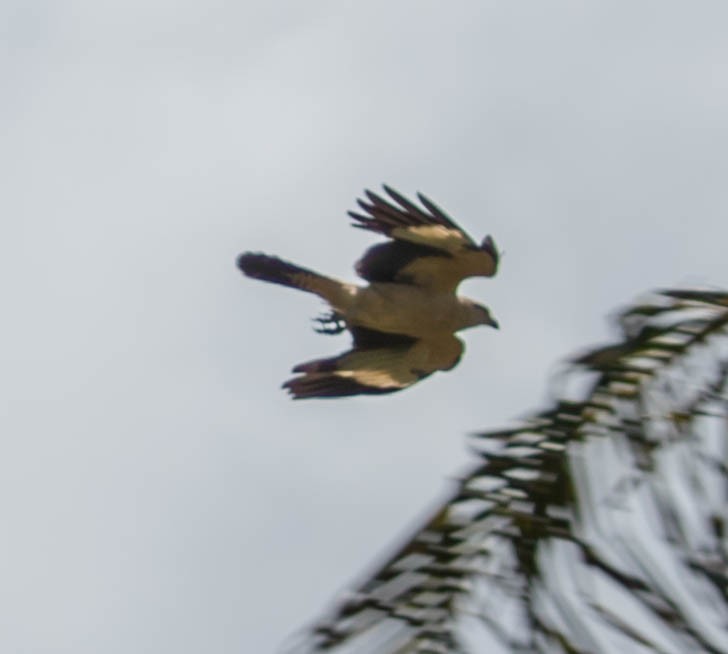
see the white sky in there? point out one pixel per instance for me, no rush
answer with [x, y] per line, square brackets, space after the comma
[158, 492]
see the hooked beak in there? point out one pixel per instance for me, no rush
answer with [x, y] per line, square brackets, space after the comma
[493, 323]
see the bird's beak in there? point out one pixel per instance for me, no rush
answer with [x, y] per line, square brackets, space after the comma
[494, 323]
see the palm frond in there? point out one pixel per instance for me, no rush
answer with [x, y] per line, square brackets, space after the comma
[598, 525]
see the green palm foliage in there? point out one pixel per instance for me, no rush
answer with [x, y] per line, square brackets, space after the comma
[598, 525]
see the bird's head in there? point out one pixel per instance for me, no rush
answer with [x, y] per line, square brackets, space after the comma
[480, 315]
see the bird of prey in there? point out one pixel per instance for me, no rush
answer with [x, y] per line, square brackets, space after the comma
[403, 321]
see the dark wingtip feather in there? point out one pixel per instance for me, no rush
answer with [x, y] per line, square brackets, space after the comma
[373, 197]
[411, 210]
[325, 386]
[436, 212]
[397, 210]
[399, 198]
[315, 366]
[361, 219]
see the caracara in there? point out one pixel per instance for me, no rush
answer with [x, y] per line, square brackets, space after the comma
[403, 322]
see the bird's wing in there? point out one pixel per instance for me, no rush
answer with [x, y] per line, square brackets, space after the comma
[378, 363]
[427, 249]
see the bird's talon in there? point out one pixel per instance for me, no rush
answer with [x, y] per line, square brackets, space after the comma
[330, 323]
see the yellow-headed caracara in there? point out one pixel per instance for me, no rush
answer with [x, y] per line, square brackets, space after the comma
[403, 322]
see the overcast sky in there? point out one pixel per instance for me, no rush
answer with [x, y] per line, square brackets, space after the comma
[158, 492]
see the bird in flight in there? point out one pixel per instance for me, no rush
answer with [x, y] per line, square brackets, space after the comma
[403, 321]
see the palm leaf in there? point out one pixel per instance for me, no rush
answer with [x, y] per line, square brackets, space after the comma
[597, 525]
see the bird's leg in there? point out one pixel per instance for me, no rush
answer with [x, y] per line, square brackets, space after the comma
[330, 323]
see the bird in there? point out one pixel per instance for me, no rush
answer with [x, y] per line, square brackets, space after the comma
[403, 321]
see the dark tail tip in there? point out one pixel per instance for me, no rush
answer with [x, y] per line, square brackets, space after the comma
[272, 269]
[262, 266]
[249, 262]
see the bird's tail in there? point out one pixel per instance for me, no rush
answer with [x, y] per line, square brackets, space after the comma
[277, 271]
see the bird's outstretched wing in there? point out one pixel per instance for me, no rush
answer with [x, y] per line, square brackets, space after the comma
[427, 248]
[378, 363]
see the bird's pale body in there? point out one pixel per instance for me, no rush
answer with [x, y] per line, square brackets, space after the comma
[404, 309]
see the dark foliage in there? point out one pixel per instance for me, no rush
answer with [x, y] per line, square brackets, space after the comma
[596, 526]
